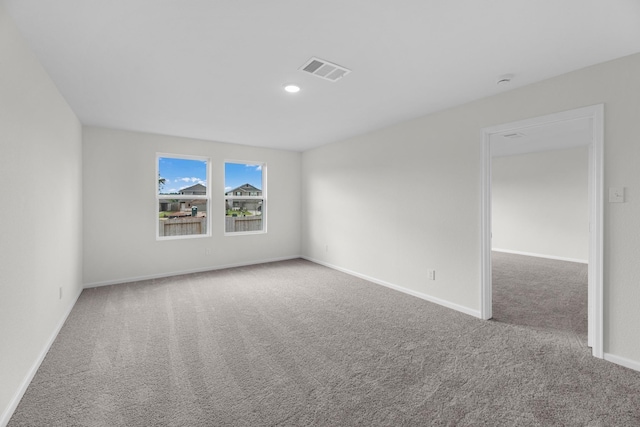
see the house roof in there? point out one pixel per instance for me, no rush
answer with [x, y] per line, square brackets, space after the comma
[146, 72]
[244, 187]
[196, 187]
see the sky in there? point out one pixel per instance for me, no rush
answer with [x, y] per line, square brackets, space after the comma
[236, 174]
[183, 173]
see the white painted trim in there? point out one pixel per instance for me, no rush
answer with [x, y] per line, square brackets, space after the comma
[590, 281]
[181, 272]
[627, 363]
[596, 206]
[435, 300]
[486, 292]
[244, 233]
[596, 237]
[13, 403]
[559, 258]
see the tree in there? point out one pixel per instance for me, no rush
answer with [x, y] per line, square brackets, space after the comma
[161, 182]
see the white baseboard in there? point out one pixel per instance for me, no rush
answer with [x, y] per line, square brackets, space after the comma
[426, 297]
[13, 404]
[559, 258]
[627, 363]
[178, 273]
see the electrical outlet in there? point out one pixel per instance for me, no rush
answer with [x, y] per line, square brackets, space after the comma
[616, 195]
[60, 293]
[207, 251]
[431, 274]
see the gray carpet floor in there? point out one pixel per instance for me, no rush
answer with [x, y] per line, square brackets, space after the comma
[541, 294]
[295, 344]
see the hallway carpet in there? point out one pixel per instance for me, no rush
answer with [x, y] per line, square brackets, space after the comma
[541, 294]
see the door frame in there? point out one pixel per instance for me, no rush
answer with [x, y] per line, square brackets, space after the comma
[596, 187]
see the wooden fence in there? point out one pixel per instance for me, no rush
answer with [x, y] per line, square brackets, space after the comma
[242, 223]
[183, 226]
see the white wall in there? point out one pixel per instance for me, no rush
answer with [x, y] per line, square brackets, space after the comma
[120, 208]
[540, 203]
[41, 215]
[393, 203]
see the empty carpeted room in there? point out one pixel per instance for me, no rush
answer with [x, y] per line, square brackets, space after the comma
[299, 213]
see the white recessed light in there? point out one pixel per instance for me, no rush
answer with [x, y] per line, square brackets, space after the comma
[291, 88]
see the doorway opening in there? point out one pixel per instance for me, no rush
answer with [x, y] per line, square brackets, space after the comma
[590, 121]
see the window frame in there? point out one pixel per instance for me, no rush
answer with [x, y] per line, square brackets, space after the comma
[263, 197]
[207, 197]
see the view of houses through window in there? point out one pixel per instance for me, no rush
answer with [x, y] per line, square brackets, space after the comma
[183, 198]
[245, 197]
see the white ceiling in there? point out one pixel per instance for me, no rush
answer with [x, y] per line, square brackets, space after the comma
[214, 69]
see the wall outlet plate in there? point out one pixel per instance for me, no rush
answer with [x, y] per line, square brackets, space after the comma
[616, 195]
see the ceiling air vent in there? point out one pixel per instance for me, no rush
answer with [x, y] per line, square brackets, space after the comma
[325, 69]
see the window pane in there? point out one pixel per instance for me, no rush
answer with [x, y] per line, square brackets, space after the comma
[242, 179]
[182, 198]
[182, 217]
[245, 201]
[243, 215]
[182, 176]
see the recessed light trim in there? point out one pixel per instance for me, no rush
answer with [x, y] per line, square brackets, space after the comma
[291, 88]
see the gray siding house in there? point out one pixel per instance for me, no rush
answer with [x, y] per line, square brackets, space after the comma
[195, 190]
[245, 190]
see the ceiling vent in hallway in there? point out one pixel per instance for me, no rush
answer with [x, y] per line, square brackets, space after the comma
[325, 69]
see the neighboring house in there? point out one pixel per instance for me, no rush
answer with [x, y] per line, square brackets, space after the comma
[183, 205]
[195, 190]
[244, 190]
[186, 205]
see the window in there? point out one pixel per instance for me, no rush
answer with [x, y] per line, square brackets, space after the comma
[183, 196]
[245, 197]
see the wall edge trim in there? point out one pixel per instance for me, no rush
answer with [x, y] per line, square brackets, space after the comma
[426, 297]
[181, 272]
[559, 258]
[622, 361]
